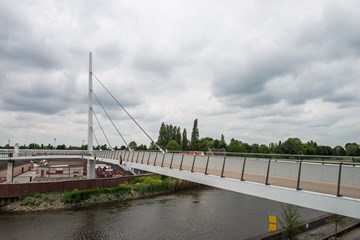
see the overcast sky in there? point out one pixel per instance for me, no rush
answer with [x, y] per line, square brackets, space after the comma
[257, 71]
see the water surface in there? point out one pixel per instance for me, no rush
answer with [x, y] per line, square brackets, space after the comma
[196, 214]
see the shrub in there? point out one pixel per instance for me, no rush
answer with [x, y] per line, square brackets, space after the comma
[140, 184]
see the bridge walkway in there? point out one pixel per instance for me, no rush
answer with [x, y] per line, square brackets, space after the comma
[339, 179]
[287, 182]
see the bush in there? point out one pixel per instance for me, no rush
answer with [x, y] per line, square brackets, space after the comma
[140, 184]
[78, 195]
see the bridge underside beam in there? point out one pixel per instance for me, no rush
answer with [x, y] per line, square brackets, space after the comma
[323, 202]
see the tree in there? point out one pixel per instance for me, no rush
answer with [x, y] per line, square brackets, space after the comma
[195, 136]
[173, 146]
[263, 149]
[205, 143]
[292, 146]
[167, 133]
[310, 148]
[238, 146]
[162, 141]
[185, 141]
[61, 147]
[222, 143]
[133, 145]
[177, 136]
[234, 146]
[216, 143]
[33, 146]
[291, 221]
[142, 147]
[352, 149]
[255, 148]
[245, 147]
[324, 150]
[152, 146]
[339, 151]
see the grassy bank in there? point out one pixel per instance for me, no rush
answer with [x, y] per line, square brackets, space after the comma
[139, 187]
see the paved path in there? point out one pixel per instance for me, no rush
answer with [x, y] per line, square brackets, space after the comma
[354, 235]
[329, 229]
[25, 177]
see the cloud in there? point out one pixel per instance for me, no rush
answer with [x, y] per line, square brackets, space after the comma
[319, 61]
[256, 71]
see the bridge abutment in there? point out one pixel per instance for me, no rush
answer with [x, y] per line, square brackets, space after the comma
[11, 164]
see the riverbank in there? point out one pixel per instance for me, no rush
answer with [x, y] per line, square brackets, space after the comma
[141, 187]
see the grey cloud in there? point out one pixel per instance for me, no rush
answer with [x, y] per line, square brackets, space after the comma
[45, 104]
[245, 100]
[262, 68]
[335, 34]
[156, 61]
[18, 42]
[315, 58]
[28, 55]
[47, 95]
[251, 77]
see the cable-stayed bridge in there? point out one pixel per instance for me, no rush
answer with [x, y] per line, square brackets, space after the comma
[323, 185]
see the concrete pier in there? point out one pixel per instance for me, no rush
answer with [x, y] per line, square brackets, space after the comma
[90, 169]
[10, 171]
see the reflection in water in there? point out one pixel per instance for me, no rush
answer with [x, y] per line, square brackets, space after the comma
[90, 229]
[200, 214]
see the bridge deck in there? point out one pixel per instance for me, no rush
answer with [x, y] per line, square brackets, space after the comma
[288, 182]
[327, 186]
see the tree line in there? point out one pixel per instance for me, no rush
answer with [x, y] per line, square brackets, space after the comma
[171, 138]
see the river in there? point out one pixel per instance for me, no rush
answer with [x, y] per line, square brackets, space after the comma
[196, 214]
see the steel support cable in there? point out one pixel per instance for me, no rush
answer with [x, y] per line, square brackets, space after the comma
[111, 120]
[101, 128]
[95, 137]
[127, 113]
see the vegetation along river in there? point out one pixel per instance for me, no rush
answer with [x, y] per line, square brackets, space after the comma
[193, 214]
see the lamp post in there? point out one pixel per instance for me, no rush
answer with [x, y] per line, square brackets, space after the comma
[54, 143]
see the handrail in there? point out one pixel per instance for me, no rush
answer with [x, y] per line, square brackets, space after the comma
[299, 171]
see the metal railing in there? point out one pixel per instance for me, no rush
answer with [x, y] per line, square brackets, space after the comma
[340, 178]
[40, 152]
[324, 174]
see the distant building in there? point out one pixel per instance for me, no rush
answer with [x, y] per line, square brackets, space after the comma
[59, 171]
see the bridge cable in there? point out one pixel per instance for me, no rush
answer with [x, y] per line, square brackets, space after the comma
[111, 120]
[127, 113]
[95, 137]
[101, 128]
